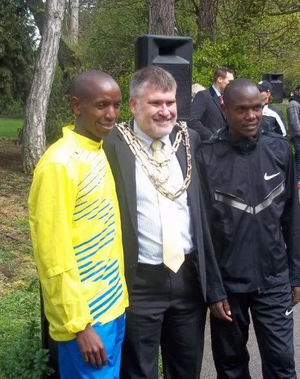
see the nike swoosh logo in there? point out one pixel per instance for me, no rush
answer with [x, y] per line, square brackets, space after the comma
[287, 312]
[268, 177]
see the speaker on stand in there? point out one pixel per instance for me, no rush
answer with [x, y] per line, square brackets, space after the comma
[276, 81]
[174, 54]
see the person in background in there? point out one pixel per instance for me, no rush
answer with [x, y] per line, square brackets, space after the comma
[76, 236]
[206, 114]
[293, 114]
[196, 88]
[255, 216]
[273, 119]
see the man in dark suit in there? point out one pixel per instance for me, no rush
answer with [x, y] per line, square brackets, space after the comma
[206, 114]
[169, 262]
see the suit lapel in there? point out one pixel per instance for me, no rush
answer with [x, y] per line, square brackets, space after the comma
[127, 169]
[216, 100]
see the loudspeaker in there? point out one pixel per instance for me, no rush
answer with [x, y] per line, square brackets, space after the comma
[277, 85]
[174, 54]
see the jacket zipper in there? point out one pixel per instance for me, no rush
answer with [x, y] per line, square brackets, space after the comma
[254, 255]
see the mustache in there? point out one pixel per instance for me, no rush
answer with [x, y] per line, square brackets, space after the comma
[162, 118]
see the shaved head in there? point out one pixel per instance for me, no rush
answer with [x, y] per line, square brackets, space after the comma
[95, 100]
[238, 86]
[81, 85]
[243, 108]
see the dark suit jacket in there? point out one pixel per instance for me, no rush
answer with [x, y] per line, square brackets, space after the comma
[122, 164]
[206, 116]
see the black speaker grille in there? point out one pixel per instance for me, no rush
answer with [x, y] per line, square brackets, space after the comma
[173, 54]
[182, 75]
[277, 91]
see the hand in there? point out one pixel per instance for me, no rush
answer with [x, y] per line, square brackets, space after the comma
[91, 347]
[221, 310]
[295, 295]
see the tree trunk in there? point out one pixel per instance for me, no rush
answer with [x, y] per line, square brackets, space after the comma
[74, 20]
[161, 17]
[34, 141]
[66, 57]
[206, 19]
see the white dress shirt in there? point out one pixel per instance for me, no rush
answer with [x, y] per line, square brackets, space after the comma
[148, 213]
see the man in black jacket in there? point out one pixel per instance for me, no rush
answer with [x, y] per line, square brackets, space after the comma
[206, 113]
[252, 191]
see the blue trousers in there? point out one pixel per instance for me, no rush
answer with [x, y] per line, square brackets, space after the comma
[72, 365]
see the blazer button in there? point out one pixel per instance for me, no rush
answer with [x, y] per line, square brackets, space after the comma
[133, 265]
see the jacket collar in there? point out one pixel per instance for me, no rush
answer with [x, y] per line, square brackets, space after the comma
[243, 145]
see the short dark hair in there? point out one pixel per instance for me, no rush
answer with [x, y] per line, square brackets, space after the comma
[152, 76]
[240, 83]
[80, 83]
[222, 72]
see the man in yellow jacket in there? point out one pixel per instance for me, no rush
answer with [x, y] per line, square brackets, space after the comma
[76, 236]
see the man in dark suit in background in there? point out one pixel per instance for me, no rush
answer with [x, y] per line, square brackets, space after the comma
[169, 262]
[206, 114]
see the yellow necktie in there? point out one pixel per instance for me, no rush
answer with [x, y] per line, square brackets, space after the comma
[157, 146]
[173, 254]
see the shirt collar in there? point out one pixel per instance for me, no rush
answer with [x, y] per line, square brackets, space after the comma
[82, 141]
[216, 91]
[146, 140]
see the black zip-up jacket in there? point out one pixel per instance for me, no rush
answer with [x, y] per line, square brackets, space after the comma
[253, 208]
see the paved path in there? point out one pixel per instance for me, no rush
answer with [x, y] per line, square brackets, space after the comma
[208, 370]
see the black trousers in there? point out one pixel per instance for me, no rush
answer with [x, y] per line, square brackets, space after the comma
[167, 310]
[273, 324]
[50, 344]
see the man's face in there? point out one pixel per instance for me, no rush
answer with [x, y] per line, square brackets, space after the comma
[224, 81]
[98, 109]
[244, 113]
[265, 96]
[155, 111]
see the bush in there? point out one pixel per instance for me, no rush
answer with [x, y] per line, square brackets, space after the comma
[125, 114]
[59, 111]
[27, 360]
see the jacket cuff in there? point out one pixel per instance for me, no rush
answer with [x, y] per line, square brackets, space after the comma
[215, 294]
[78, 325]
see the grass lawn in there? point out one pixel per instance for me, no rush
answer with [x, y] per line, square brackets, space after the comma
[282, 107]
[9, 127]
[19, 287]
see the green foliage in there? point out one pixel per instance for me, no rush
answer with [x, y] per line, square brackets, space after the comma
[186, 20]
[16, 52]
[59, 111]
[252, 38]
[108, 32]
[125, 114]
[14, 108]
[21, 355]
[27, 360]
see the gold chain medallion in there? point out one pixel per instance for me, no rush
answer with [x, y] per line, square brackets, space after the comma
[157, 171]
